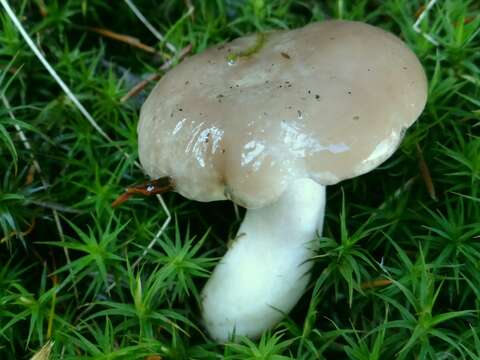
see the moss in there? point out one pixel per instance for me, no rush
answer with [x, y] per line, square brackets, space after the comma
[260, 40]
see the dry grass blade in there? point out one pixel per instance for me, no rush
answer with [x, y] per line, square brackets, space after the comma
[55, 206]
[44, 352]
[399, 192]
[425, 173]
[127, 39]
[184, 52]
[42, 8]
[10, 69]
[421, 14]
[191, 9]
[158, 234]
[30, 174]
[21, 234]
[149, 26]
[376, 283]
[134, 91]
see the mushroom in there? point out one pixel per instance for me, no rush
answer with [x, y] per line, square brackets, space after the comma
[268, 121]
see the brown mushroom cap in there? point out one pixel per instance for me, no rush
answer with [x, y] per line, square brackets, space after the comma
[329, 101]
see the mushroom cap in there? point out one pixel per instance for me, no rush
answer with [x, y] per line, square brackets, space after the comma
[329, 101]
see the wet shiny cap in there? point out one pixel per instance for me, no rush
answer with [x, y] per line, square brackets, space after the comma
[329, 101]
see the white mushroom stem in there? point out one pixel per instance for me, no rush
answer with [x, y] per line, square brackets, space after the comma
[266, 269]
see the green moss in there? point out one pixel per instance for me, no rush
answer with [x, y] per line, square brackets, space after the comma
[260, 40]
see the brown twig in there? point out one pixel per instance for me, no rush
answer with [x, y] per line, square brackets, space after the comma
[425, 173]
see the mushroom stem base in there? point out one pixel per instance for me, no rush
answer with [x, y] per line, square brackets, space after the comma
[266, 269]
